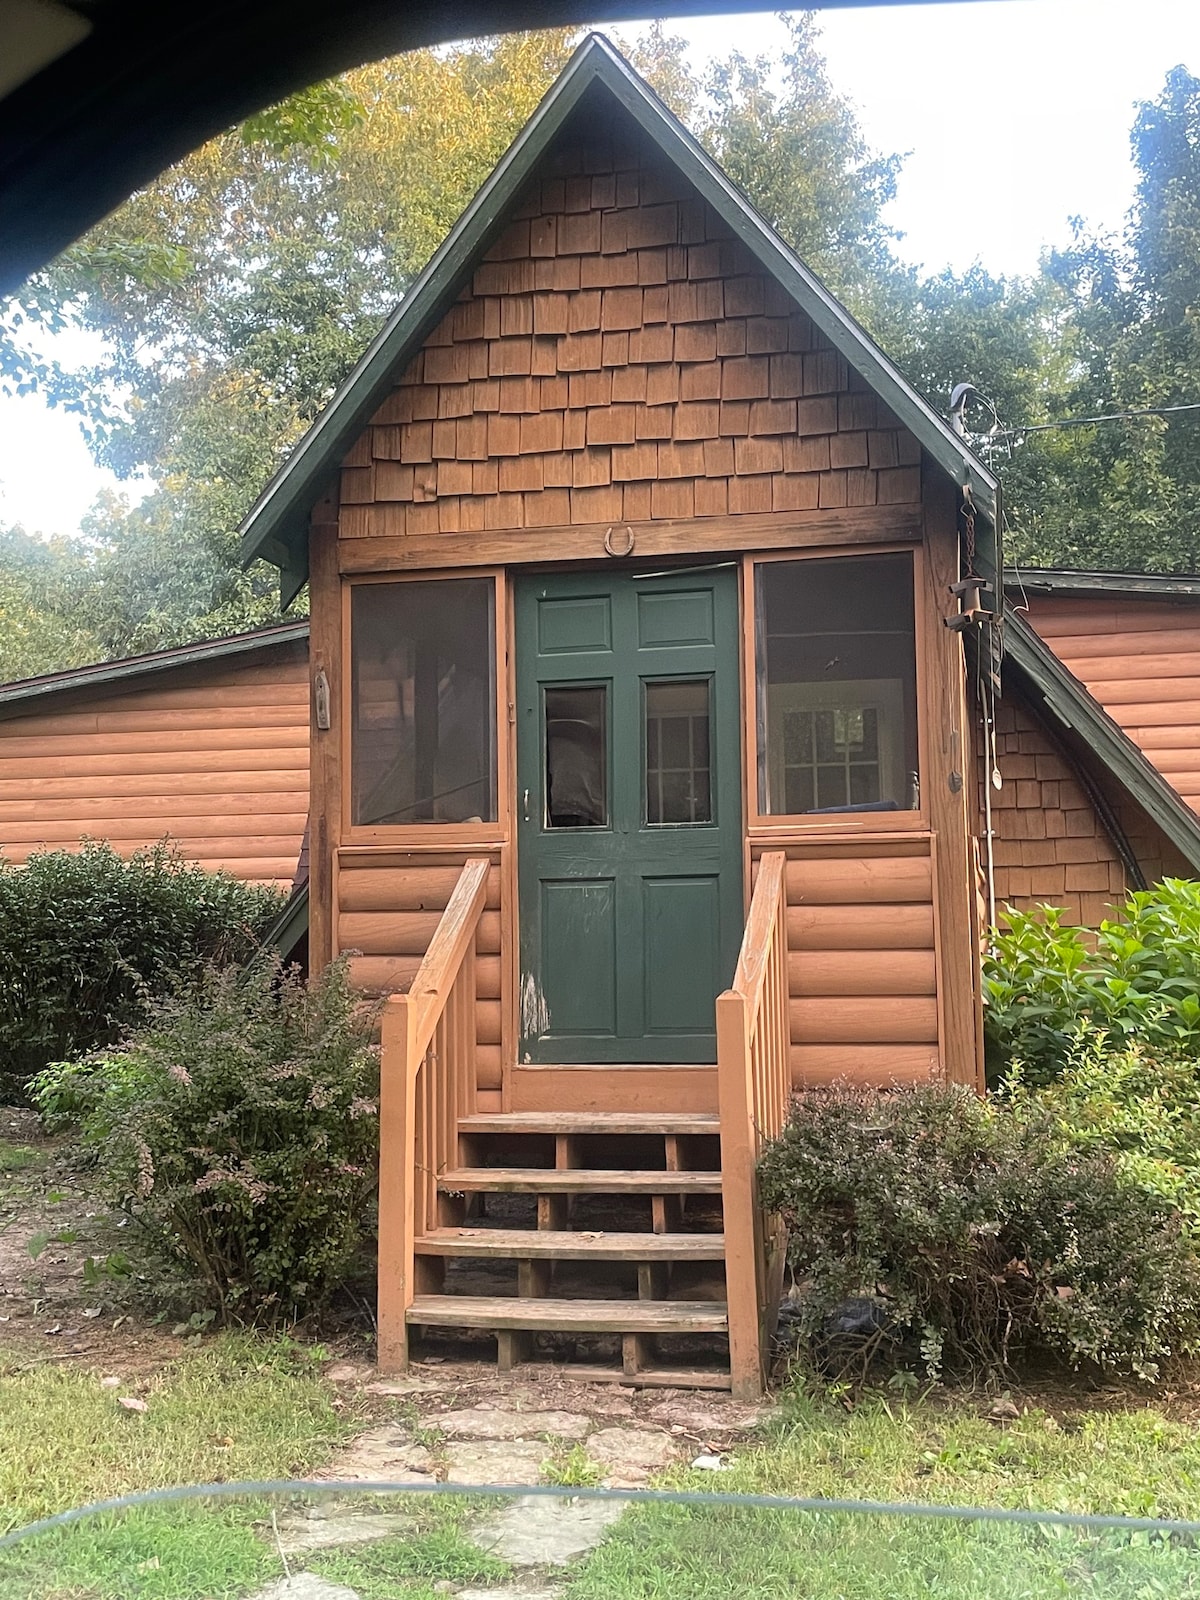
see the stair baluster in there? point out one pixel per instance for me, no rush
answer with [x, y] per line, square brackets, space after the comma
[427, 1083]
[754, 1087]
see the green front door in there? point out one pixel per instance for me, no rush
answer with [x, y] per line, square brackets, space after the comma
[629, 813]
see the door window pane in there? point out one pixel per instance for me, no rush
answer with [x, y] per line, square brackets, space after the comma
[837, 696]
[678, 773]
[576, 723]
[423, 739]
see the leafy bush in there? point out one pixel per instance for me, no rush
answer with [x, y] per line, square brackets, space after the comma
[86, 935]
[1138, 1103]
[239, 1129]
[975, 1229]
[1137, 977]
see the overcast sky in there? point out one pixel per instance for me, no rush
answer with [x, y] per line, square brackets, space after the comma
[1013, 116]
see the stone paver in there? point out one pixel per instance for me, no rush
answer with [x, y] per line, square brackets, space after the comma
[629, 1456]
[540, 1531]
[495, 1461]
[517, 1591]
[323, 1528]
[499, 1422]
[382, 1455]
[305, 1586]
[707, 1421]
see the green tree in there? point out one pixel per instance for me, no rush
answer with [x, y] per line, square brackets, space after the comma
[1119, 495]
[41, 583]
[236, 291]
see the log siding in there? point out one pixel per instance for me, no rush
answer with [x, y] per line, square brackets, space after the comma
[213, 757]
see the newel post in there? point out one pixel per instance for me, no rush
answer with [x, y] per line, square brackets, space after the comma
[397, 1117]
[739, 1192]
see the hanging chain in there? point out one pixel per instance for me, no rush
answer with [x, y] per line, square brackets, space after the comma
[968, 516]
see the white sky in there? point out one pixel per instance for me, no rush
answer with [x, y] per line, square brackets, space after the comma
[1014, 116]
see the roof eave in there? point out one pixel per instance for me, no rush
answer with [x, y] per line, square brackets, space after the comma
[1077, 708]
[16, 697]
[277, 526]
[1123, 585]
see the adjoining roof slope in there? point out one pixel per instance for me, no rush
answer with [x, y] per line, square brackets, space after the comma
[277, 527]
[1125, 585]
[1075, 707]
[15, 696]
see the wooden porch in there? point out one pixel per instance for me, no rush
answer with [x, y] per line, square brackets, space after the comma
[683, 1198]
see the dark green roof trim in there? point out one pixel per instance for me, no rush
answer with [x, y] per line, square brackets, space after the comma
[290, 926]
[277, 528]
[15, 697]
[1072, 705]
[1127, 585]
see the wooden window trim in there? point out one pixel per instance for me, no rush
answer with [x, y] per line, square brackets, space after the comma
[432, 835]
[782, 826]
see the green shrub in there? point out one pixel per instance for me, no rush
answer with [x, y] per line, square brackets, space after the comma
[85, 936]
[977, 1231]
[1136, 977]
[1138, 1103]
[239, 1129]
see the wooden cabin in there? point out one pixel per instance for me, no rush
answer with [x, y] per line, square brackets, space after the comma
[206, 746]
[644, 762]
[1095, 739]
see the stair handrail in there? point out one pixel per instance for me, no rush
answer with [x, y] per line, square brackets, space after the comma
[754, 1090]
[426, 1083]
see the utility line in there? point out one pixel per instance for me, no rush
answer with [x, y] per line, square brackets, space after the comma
[1084, 422]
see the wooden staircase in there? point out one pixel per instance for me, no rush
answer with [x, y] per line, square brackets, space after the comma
[625, 1245]
[562, 1223]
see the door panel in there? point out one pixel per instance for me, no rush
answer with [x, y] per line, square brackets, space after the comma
[681, 920]
[628, 777]
[579, 932]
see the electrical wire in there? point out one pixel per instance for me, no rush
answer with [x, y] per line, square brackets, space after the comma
[1086, 422]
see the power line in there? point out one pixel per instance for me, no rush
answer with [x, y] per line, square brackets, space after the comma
[1084, 422]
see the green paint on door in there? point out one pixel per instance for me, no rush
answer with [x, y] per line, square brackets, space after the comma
[629, 808]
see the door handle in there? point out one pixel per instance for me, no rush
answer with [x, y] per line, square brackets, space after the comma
[525, 806]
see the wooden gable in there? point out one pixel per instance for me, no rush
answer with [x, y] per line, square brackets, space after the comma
[619, 356]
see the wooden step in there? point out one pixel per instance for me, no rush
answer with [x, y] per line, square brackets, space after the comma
[568, 1316]
[554, 1245]
[575, 1180]
[589, 1122]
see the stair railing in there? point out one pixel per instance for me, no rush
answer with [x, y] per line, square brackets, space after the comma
[754, 1088]
[426, 1083]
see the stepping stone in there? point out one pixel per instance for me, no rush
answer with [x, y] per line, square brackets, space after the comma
[705, 1419]
[382, 1455]
[321, 1528]
[496, 1422]
[305, 1586]
[630, 1457]
[495, 1461]
[540, 1531]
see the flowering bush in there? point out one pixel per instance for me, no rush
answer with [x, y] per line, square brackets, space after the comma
[239, 1130]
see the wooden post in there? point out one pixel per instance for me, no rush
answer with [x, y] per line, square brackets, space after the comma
[739, 1196]
[397, 1123]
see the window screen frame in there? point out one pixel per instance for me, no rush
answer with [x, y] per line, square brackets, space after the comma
[449, 834]
[766, 824]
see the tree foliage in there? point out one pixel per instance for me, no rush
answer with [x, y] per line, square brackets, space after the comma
[234, 293]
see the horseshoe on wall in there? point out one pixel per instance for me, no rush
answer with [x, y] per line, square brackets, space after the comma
[610, 546]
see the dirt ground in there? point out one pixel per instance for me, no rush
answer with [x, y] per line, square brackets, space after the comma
[55, 1307]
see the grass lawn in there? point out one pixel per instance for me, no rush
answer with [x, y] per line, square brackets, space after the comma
[244, 1408]
[1131, 1462]
[237, 1408]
